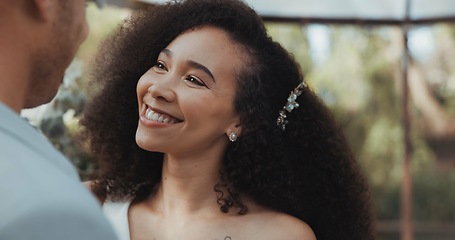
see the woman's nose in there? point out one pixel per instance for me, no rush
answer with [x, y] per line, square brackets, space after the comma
[163, 89]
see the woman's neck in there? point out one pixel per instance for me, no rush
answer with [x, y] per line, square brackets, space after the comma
[187, 186]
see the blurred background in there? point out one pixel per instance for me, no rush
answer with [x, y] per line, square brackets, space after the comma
[396, 106]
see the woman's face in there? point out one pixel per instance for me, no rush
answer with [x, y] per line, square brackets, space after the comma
[186, 99]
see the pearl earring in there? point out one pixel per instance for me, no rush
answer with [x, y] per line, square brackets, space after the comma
[232, 136]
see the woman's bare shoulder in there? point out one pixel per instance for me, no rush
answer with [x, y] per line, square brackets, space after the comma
[287, 227]
[276, 225]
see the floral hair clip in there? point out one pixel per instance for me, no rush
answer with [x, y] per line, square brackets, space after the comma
[290, 105]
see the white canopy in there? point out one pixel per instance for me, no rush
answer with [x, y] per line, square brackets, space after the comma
[353, 11]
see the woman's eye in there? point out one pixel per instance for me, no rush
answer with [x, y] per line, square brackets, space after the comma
[160, 66]
[195, 81]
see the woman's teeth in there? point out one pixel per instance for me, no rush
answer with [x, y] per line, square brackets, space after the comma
[158, 117]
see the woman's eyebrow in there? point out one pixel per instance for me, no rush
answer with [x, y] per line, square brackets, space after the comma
[201, 67]
[167, 52]
[191, 63]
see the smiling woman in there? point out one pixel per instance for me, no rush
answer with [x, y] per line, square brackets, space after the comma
[182, 89]
[203, 129]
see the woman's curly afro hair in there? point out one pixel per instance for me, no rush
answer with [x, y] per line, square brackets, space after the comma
[307, 171]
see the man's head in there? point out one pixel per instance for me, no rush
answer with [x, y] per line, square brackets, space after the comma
[38, 40]
[64, 28]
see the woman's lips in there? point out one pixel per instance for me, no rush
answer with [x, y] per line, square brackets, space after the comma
[155, 115]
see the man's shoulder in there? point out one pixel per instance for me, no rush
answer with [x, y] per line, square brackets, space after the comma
[23, 170]
[29, 183]
[32, 209]
[32, 185]
[25, 167]
[41, 196]
[56, 219]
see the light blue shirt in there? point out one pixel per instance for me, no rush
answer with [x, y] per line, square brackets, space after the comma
[41, 196]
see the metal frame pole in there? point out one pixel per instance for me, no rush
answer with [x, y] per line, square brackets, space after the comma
[407, 231]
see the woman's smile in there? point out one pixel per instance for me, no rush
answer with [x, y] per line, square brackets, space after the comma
[159, 116]
[151, 117]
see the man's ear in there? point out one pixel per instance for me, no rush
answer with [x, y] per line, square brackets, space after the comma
[44, 8]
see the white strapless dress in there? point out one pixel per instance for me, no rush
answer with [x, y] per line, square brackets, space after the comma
[117, 214]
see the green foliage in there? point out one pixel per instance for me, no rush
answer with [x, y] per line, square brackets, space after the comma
[434, 196]
[361, 82]
[444, 89]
